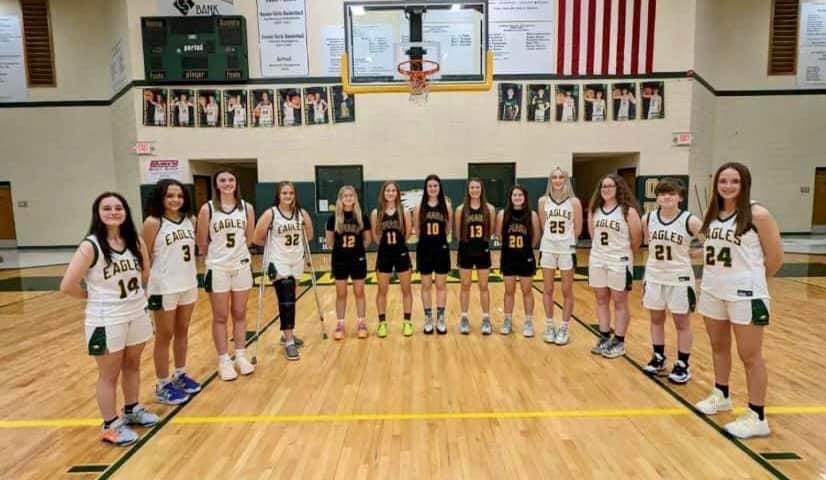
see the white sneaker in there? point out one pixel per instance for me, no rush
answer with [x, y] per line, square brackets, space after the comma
[226, 370]
[714, 403]
[550, 332]
[527, 329]
[749, 425]
[244, 365]
[562, 335]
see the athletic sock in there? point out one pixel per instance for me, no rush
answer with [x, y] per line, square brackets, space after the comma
[162, 382]
[108, 423]
[407, 316]
[605, 335]
[509, 316]
[180, 371]
[464, 314]
[382, 317]
[529, 318]
[485, 316]
[620, 338]
[759, 410]
[440, 311]
[659, 349]
[722, 388]
[224, 357]
[128, 408]
[240, 352]
[683, 357]
[428, 312]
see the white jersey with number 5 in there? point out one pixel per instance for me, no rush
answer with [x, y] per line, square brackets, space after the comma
[668, 261]
[558, 234]
[115, 290]
[734, 267]
[611, 244]
[173, 258]
[286, 238]
[227, 249]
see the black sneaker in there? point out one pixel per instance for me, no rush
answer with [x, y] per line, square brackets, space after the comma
[680, 374]
[656, 366]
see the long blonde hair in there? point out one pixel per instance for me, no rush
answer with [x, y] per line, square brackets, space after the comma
[382, 205]
[567, 190]
[340, 209]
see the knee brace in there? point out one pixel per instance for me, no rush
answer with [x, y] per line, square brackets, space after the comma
[285, 291]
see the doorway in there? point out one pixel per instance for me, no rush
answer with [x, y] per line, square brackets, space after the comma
[203, 170]
[498, 179]
[589, 168]
[819, 207]
[8, 234]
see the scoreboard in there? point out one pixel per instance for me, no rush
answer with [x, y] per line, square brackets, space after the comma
[195, 49]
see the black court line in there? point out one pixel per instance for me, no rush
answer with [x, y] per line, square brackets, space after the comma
[165, 420]
[87, 469]
[25, 299]
[739, 444]
[781, 456]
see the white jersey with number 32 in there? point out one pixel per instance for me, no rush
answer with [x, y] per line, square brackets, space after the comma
[286, 238]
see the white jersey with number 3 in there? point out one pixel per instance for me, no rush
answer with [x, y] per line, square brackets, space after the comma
[115, 290]
[734, 267]
[611, 243]
[558, 234]
[227, 249]
[173, 258]
[669, 262]
[286, 238]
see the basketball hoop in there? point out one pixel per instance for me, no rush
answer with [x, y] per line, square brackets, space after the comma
[418, 73]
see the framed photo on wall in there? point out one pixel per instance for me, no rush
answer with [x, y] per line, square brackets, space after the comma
[263, 110]
[316, 105]
[182, 108]
[154, 107]
[344, 105]
[595, 105]
[235, 104]
[510, 102]
[567, 103]
[539, 103]
[653, 100]
[209, 108]
[624, 96]
[289, 112]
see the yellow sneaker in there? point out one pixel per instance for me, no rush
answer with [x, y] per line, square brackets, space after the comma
[382, 330]
[407, 328]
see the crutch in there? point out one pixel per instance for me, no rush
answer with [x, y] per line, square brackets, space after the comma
[260, 308]
[314, 286]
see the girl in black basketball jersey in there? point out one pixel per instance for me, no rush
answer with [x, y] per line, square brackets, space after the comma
[474, 224]
[518, 227]
[432, 220]
[391, 227]
[348, 231]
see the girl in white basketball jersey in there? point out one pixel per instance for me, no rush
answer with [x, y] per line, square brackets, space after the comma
[742, 249]
[169, 234]
[289, 226]
[113, 263]
[560, 216]
[225, 231]
[669, 277]
[614, 225]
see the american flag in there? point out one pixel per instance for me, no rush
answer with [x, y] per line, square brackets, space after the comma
[605, 37]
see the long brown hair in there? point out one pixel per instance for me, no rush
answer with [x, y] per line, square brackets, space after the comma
[483, 203]
[526, 207]
[382, 205]
[743, 210]
[276, 202]
[127, 230]
[442, 207]
[623, 195]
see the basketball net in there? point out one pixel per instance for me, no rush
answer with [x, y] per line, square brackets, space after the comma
[418, 78]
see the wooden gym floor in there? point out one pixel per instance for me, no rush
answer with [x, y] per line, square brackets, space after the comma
[422, 407]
